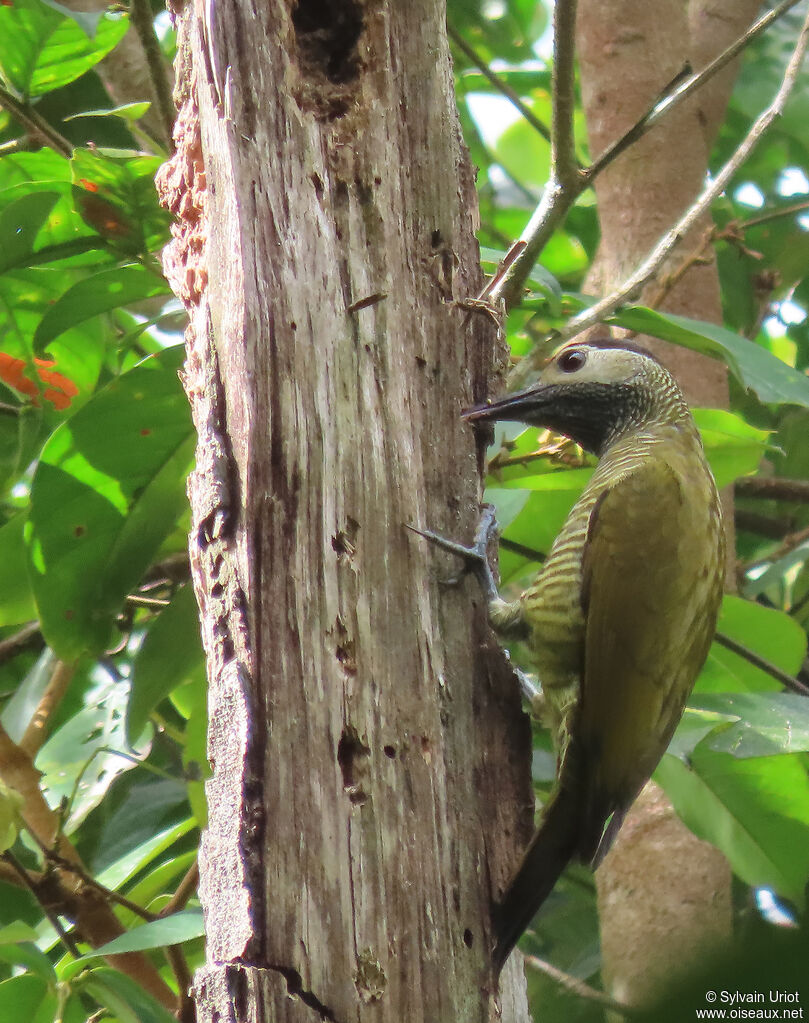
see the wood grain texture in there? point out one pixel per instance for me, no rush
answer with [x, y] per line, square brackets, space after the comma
[370, 756]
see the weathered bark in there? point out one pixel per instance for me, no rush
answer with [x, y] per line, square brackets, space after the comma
[370, 756]
[662, 893]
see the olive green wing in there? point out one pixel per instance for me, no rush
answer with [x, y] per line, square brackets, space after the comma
[643, 641]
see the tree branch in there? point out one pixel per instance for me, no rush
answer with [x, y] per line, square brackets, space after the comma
[28, 635]
[34, 735]
[772, 488]
[32, 886]
[770, 215]
[564, 167]
[185, 889]
[681, 88]
[507, 284]
[140, 12]
[787, 680]
[763, 525]
[565, 182]
[656, 258]
[35, 123]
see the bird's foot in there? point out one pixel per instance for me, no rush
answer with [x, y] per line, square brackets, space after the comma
[475, 558]
[529, 691]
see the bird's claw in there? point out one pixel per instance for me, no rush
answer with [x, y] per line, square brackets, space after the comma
[475, 558]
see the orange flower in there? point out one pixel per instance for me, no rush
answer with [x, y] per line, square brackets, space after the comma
[59, 392]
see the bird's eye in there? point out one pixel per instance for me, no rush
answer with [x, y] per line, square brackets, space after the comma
[572, 360]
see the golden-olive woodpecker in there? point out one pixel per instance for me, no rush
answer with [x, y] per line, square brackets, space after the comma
[619, 620]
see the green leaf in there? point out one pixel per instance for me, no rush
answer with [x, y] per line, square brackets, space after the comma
[64, 235]
[11, 804]
[86, 20]
[27, 955]
[156, 887]
[19, 711]
[85, 755]
[16, 599]
[16, 932]
[42, 50]
[770, 633]
[191, 700]
[96, 294]
[170, 930]
[758, 724]
[20, 222]
[126, 111]
[118, 873]
[124, 998]
[756, 811]
[171, 652]
[22, 997]
[756, 368]
[522, 151]
[108, 489]
[733, 447]
[135, 860]
[116, 197]
[24, 295]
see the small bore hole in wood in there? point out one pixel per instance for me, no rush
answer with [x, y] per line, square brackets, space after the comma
[468, 938]
[352, 756]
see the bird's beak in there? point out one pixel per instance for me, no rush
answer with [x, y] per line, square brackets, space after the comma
[518, 407]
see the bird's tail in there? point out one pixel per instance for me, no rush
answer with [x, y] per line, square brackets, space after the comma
[551, 849]
[572, 827]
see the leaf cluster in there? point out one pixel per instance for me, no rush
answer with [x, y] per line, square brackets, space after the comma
[102, 683]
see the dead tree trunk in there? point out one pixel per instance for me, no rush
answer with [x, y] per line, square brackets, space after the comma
[370, 757]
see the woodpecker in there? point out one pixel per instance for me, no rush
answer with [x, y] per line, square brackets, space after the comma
[619, 620]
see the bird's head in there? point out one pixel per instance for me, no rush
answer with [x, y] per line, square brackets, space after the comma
[593, 392]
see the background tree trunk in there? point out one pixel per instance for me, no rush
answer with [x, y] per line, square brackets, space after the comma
[663, 894]
[370, 755]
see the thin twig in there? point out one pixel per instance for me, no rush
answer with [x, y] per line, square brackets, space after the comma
[753, 658]
[140, 12]
[634, 284]
[499, 84]
[27, 635]
[770, 215]
[34, 735]
[579, 987]
[790, 543]
[698, 255]
[182, 974]
[76, 868]
[35, 123]
[53, 919]
[185, 889]
[152, 603]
